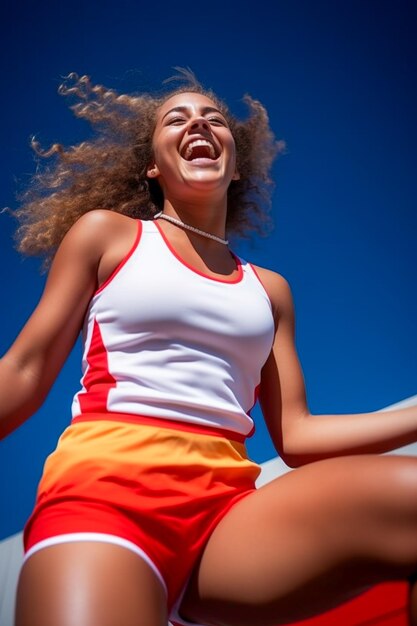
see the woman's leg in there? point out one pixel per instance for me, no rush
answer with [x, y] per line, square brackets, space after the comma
[89, 584]
[308, 541]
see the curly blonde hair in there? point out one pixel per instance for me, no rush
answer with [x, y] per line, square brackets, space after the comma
[109, 170]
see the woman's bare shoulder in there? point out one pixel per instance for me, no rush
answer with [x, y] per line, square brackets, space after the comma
[94, 231]
[102, 221]
[102, 238]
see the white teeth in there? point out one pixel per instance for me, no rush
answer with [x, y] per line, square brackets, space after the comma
[199, 142]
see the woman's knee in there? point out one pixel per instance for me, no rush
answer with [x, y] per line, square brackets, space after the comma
[376, 504]
[388, 487]
[398, 508]
[376, 482]
[364, 506]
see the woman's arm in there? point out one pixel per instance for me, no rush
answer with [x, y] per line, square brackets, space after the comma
[299, 436]
[86, 256]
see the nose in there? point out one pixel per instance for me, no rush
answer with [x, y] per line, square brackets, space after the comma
[199, 123]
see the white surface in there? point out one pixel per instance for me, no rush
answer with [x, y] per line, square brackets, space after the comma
[11, 556]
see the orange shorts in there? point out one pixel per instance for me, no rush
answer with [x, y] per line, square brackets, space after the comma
[156, 487]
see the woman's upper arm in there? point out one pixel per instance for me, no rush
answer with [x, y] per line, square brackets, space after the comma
[86, 257]
[48, 336]
[282, 393]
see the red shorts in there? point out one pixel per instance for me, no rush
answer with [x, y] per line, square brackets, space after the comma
[156, 488]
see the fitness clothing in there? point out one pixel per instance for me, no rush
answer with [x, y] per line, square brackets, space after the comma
[158, 491]
[164, 340]
[154, 456]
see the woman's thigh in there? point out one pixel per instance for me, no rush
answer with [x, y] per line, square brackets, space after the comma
[86, 584]
[308, 541]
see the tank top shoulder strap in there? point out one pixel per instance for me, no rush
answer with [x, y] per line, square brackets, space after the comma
[253, 276]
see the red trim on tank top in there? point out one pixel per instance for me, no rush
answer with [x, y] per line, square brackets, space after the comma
[196, 271]
[255, 400]
[261, 282]
[124, 260]
[97, 380]
[161, 422]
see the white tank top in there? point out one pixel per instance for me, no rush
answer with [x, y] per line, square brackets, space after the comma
[164, 340]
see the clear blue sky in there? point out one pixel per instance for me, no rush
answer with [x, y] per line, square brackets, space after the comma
[339, 81]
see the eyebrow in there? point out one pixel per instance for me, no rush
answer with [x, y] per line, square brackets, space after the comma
[184, 109]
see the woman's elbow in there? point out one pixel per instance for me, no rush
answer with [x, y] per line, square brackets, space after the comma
[294, 449]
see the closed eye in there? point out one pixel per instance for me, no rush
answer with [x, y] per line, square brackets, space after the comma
[175, 121]
[217, 121]
[178, 120]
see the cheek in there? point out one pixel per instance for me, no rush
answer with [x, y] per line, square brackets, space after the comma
[164, 148]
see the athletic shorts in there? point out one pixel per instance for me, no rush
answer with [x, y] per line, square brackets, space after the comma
[158, 488]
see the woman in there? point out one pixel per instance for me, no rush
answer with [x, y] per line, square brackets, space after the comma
[147, 509]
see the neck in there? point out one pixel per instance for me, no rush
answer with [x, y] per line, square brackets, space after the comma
[185, 226]
[206, 216]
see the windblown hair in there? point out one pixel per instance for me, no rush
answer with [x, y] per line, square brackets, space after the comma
[109, 170]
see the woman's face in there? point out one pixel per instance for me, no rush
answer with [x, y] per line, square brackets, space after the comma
[193, 147]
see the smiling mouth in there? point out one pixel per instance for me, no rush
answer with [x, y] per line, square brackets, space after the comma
[199, 149]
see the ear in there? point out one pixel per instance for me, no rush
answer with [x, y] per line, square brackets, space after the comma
[152, 171]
